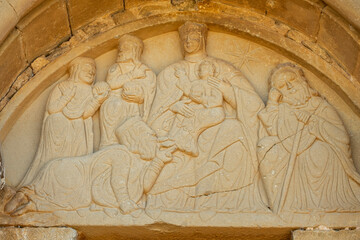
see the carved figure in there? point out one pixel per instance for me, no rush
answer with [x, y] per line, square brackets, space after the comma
[305, 162]
[67, 126]
[205, 101]
[222, 176]
[132, 91]
[116, 176]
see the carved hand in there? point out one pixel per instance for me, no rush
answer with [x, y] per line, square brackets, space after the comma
[165, 154]
[302, 116]
[182, 108]
[101, 91]
[180, 72]
[313, 125]
[139, 72]
[274, 95]
[132, 92]
[223, 86]
[68, 92]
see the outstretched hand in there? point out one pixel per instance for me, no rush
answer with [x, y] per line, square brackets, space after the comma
[221, 85]
[182, 108]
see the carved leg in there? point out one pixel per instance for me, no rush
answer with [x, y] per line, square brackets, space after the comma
[17, 201]
[29, 207]
[119, 176]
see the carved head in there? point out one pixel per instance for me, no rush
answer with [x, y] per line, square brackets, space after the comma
[193, 36]
[206, 69]
[292, 84]
[130, 47]
[197, 92]
[83, 69]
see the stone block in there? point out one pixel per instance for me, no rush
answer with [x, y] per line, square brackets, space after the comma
[302, 15]
[326, 235]
[46, 27]
[84, 11]
[28, 233]
[22, 7]
[12, 61]
[339, 39]
[8, 19]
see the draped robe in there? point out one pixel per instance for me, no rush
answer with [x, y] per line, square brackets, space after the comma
[115, 110]
[65, 133]
[230, 145]
[324, 176]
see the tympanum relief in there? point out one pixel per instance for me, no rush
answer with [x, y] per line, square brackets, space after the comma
[196, 138]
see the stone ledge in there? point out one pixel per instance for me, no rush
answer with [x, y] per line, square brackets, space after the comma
[326, 235]
[29, 233]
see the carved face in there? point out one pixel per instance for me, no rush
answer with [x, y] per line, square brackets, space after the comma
[87, 73]
[192, 42]
[291, 87]
[206, 69]
[126, 51]
[197, 92]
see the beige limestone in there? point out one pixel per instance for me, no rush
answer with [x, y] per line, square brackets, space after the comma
[188, 89]
[44, 28]
[326, 235]
[84, 11]
[12, 61]
[39, 63]
[320, 66]
[8, 17]
[340, 40]
[12, 233]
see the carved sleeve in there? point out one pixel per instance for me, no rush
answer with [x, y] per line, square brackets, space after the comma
[57, 101]
[116, 79]
[91, 108]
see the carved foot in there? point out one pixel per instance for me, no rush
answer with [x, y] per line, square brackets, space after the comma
[5, 196]
[17, 201]
[29, 207]
[128, 206]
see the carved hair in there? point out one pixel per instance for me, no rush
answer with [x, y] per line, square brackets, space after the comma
[75, 64]
[290, 67]
[189, 27]
[135, 41]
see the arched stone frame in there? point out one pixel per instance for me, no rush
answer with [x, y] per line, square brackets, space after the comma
[255, 27]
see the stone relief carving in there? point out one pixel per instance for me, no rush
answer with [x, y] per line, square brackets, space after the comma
[67, 127]
[305, 160]
[195, 139]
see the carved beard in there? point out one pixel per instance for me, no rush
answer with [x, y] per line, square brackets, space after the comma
[300, 97]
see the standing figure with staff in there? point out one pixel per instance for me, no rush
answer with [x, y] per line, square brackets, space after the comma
[305, 162]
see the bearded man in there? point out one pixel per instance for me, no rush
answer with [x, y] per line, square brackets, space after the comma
[305, 161]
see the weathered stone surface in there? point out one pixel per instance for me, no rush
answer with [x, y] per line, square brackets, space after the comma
[8, 18]
[44, 28]
[340, 40]
[83, 11]
[299, 14]
[349, 9]
[12, 233]
[326, 235]
[39, 63]
[12, 61]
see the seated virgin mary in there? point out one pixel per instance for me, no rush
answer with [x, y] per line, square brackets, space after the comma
[222, 176]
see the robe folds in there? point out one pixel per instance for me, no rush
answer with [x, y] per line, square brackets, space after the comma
[324, 176]
[65, 133]
[72, 183]
[233, 185]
